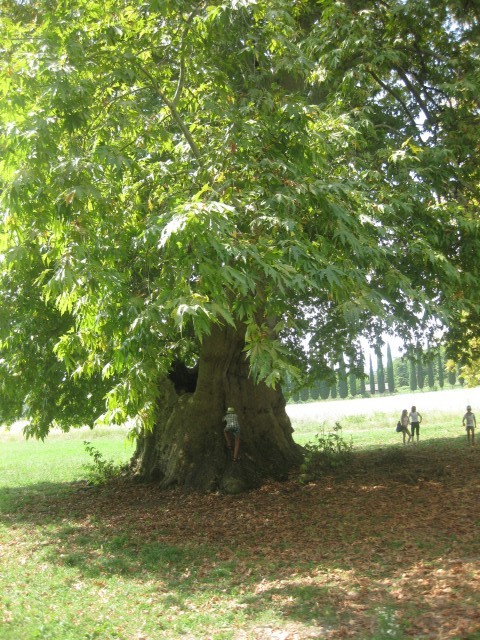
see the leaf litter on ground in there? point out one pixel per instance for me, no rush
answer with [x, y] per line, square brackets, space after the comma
[386, 548]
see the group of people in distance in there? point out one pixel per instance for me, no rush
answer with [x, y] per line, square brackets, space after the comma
[414, 418]
[409, 425]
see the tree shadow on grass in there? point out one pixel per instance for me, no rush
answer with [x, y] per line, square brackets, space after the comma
[24, 502]
[378, 544]
[431, 459]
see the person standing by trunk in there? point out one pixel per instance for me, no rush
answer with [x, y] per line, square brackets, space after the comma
[232, 428]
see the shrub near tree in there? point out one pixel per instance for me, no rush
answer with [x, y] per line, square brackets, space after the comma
[191, 192]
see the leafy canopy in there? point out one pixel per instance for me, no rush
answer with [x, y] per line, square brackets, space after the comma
[306, 170]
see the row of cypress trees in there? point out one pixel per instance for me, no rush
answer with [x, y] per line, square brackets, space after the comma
[415, 371]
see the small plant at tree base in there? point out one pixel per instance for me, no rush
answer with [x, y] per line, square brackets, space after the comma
[100, 470]
[328, 451]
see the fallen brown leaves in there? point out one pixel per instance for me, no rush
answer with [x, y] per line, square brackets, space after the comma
[389, 542]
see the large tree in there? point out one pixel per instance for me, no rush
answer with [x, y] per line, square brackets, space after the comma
[201, 198]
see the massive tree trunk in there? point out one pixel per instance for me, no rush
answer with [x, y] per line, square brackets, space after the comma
[187, 446]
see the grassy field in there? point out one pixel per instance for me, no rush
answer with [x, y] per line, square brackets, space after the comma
[386, 549]
[378, 429]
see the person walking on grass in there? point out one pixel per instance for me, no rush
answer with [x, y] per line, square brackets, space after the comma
[469, 422]
[232, 427]
[415, 420]
[404, 422]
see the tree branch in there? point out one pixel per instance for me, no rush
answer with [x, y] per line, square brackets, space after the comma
[395, 95]
[181, 76]
[415, 94]
[174, 112]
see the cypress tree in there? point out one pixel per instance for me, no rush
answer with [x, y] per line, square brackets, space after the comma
[305, 395]
[352, 381]
[420, 368]
[413, 375]
[452, 377]
[342, 380]
[315, 390]
[363, 390]
[390, 372]
[380, 373]
[441, 376]
[400, 368]
[324, 389]
[372, 378]
[431, 374]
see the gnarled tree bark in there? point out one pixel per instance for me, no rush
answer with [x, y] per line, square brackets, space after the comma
[186, 447]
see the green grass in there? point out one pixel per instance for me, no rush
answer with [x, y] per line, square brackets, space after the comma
[60, 457]
[378, 429]
[33, 467]
[82, 562]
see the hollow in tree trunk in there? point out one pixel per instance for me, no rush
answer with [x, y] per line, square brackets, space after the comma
[187, 447]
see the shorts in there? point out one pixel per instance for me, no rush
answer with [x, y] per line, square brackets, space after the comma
[233, 429]
[415, 426]
[471, 428]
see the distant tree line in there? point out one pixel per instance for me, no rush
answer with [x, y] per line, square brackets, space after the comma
[418, 369]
